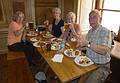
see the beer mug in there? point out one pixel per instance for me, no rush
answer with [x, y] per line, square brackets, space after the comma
[31, 25]
[66, 26]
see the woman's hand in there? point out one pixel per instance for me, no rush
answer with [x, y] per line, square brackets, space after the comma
[71, 26]
[46, 22]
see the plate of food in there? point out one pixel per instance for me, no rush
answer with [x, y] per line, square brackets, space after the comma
[55, 46]
[34, 34]
[56, 39]
[39, 44]
[34, 39]
[83, 61]
[48, 35]
[68, 52]
[36, 44]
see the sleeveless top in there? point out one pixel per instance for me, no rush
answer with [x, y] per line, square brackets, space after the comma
[12, 39]
[56, 29]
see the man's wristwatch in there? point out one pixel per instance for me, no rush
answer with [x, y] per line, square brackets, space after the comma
[88, 44]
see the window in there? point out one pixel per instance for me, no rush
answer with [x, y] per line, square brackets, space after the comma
[111, 15]
[84, 8]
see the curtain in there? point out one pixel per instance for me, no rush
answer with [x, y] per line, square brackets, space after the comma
[84, 8]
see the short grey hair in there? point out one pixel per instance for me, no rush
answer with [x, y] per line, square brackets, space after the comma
[17, 15]
[56, 10]
[96, 12]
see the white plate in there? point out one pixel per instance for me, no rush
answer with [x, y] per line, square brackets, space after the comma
[36, 44]
[48, 36]
[33, 39]
[53, 47]
[53, 39]
[56, 39]
[35, 34]
[70, 53]
[41, 26]
[80, 60]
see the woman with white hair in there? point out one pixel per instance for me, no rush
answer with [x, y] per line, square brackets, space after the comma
[73, 30]
[57, 25]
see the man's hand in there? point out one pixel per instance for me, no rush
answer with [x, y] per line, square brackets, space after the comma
[83, 43]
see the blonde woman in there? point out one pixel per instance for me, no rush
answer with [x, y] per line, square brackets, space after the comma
[57, 25]
[74, 29]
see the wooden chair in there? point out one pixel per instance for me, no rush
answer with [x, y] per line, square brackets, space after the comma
[18, 70]
[11, 55]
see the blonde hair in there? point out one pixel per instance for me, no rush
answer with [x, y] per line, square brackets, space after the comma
[71, 14]
[17, 15]
[56, 10]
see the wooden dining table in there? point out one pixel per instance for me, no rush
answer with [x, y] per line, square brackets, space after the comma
[68, 70]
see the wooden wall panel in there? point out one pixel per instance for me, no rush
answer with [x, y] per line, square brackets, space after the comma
[68, 6]
[18, 6]
[43, 10]
[1, 13]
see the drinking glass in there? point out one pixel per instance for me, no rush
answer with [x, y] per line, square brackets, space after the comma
[31, 25]
[66, 26]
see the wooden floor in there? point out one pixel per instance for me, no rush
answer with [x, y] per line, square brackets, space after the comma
[3, 68]
[50, 75]
[15, 71]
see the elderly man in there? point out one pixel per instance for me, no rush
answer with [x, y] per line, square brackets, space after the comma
[97, 44]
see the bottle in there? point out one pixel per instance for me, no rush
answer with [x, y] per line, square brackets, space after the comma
[62, 45]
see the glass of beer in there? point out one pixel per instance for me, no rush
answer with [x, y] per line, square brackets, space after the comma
[66, 26]
[31, 25]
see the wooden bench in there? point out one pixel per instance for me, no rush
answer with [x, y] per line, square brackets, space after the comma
[11, 55]
[18, 70]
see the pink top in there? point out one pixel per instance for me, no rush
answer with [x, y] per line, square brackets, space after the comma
[12, 38]
[77, 29]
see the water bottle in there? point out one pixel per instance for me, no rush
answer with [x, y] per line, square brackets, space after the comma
[62, 45]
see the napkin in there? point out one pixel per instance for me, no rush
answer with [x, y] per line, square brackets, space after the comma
[57, 58]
